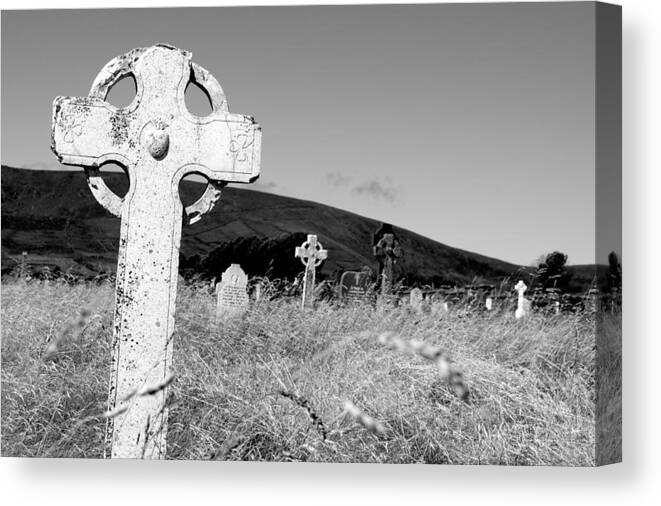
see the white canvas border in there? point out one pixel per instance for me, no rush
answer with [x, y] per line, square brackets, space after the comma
[52, 482]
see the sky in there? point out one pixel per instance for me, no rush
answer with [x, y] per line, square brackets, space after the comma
[471, 124]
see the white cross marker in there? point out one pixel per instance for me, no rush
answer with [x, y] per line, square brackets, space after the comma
[311, 254]
[523, 304]
[158, 142]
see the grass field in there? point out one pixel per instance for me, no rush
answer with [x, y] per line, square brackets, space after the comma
[532, 383]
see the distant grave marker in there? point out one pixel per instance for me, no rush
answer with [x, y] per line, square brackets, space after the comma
[232, 293]
[354, 286]
[416, 299]
[257, 292]
[311, 253]
[387, 250]
[158, 142]
[523, 304]
[592, 301]
[437, 305]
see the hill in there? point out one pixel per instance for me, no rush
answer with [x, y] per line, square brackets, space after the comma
[53, 216]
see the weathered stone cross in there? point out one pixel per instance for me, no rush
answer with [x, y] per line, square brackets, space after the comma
[311, 254]
[388, 250]
[158, 142]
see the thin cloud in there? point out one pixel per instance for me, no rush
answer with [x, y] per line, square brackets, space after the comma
[376, 190]
[338, 179]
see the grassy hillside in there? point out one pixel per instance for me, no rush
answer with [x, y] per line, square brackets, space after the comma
[53, 216]
[532, 383]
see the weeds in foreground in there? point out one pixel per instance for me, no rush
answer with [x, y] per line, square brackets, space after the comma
[374, 385]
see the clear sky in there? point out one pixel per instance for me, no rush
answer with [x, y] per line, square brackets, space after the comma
[471, 124]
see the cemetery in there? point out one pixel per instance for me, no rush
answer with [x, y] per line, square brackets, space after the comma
[233, 353]
[363, 363]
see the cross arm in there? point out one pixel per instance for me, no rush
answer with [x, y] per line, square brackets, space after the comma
[87, 131]
[228, 147]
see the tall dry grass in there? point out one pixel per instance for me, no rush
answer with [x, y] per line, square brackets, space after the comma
[283, 384]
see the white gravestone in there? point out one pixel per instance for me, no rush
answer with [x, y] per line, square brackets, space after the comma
[232, 293]
[311, 253]
[523, 304]
[415, 299]
[158, 142]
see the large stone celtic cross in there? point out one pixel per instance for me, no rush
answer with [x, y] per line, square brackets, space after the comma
[158, 142]
[311, 253]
